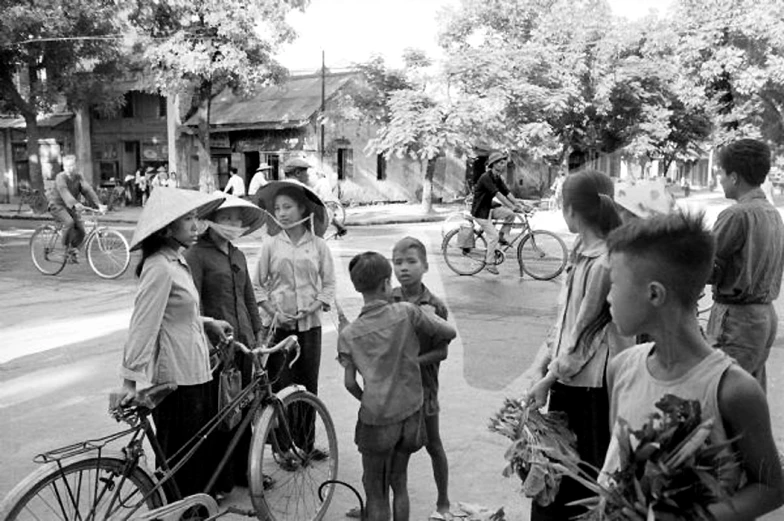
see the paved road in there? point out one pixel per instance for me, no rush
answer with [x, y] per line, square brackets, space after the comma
[56, 371]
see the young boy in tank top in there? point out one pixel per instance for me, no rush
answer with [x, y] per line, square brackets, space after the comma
[658, 268]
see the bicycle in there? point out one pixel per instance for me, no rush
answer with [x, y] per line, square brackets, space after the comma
[107, 250]
[87, 481]
[32, 198]
[540, 253]
[112, 196]
[336, 210]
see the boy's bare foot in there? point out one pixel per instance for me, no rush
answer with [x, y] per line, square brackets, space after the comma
[491, 269]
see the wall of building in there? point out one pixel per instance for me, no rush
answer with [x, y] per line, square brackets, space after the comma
[123, 143]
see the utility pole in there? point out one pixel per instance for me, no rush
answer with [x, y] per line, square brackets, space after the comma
[323, 106]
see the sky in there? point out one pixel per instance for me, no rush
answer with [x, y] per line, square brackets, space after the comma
[350, 31]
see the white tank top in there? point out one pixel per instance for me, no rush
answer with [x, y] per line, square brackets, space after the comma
[635, 392]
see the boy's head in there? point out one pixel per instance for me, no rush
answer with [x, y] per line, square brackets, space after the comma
[743, 160]
[409, 258]
[658, 264]
[370, 272]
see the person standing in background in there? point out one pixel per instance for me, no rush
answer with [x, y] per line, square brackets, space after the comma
[235, 185]
[259, 179]
[749, 260]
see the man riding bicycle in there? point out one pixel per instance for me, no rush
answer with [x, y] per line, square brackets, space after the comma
[64, 204]
[491, 186]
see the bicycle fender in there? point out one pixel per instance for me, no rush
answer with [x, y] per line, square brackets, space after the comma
[288, 391]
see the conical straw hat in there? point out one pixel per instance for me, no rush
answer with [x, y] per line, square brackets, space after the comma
[166, 205]
[644, 198]
[252, 216]
[265, 199]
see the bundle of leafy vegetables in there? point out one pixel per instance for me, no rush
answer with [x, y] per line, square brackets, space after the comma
[539, 441]
[667, 466]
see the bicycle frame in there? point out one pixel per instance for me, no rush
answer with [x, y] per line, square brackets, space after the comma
[256, 395]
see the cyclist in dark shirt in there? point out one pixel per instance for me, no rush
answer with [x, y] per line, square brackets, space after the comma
[491, 186]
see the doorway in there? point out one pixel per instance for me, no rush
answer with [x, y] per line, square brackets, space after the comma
[131, 161]
[252, 162]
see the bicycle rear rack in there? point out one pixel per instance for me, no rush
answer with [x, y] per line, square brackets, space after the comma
[81, 447]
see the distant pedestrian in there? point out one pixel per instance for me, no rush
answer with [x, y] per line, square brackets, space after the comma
[235, 185]
[173, 182]
[685, 186]
[749, 259]
[259, 179]
[382, 346]
[129, 183]
[557, 189]
[570, 366]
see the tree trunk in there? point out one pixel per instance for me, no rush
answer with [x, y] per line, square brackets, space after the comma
[33, 152]
[427, 185]
[207, 182]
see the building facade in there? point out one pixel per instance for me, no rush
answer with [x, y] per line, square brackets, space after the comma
[282, 122]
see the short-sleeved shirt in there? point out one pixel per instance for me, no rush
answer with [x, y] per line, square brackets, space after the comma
[427, 343]
[749, 251]
[485, 189]
[166, 340]
[382, 345]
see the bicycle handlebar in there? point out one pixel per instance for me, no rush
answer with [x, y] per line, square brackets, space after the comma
[287, 344]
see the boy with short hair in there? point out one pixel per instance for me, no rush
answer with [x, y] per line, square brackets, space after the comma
[409, 258]
[658, 269]
[382, 346]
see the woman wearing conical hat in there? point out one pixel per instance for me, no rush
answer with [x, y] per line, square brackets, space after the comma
[167, 340]
[296, 279]
[220, 273]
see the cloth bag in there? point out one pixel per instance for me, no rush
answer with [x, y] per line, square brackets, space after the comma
[229, 387]
[465, 235]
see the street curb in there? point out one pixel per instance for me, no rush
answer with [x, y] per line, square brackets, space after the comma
[349, 223]
[48, 217]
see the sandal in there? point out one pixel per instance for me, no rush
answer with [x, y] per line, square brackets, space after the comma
[441, 516]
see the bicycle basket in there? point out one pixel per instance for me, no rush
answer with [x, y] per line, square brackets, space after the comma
[465, 235]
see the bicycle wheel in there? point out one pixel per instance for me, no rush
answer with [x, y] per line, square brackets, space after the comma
[87, 488]
[337, 211]
[464, 261]
[296, 480]
[542, 255]
[108, 253]
[47, 250]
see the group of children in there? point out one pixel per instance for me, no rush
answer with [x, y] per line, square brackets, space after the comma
[625, 280]
[396, 345]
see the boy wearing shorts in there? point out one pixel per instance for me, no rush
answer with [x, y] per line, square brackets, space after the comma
[382, 346]
[658, 268]
[409, 259]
